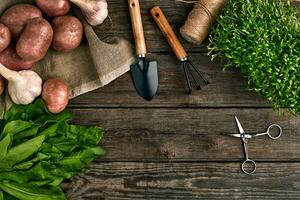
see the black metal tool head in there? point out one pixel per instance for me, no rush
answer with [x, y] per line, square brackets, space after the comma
[188, 68]
[145, 78]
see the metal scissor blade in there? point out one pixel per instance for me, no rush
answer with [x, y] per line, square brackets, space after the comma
[234, 135]
[237, 135]
[241, 130]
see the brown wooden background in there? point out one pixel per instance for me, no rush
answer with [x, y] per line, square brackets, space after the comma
[171, 147]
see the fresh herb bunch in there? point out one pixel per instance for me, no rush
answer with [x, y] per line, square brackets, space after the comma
[38, 150]
[262, 38]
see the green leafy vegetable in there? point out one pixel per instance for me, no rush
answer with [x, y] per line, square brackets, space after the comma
[4, 145]
[39, 150]
[21, 152]
[27, 191]
[261, 37]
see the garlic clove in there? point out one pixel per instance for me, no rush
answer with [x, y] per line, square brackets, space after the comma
[94, 11]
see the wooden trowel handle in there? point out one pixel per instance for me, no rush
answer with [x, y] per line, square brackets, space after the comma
[137, 26]
[168, 32]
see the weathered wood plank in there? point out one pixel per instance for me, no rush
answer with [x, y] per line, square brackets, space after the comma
[186, 181]
[119, 23]
[227, 88]
[191, 134]
[175, 11]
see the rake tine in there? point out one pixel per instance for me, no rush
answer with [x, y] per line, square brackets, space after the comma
[198, 72]
[187, 78]
[193, 77]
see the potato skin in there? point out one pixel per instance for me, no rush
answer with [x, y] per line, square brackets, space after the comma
[17, 16]
[68, 31]
[35, 40]
[10, 59]
[5, 37]
[54, 8]
[55, 95]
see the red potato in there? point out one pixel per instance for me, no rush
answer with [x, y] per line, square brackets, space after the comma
[17, 16]
[54, 8]
[10, 59]
[35, 40]
[68, 32]
[55, 95]
[2, 84]
[5, 37]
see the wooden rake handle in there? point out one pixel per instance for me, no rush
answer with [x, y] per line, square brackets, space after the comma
[168, 32]
[137, 26]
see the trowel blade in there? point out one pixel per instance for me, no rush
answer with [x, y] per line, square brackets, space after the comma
[145, 78]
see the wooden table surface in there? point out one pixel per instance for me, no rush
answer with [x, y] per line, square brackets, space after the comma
[171, 147]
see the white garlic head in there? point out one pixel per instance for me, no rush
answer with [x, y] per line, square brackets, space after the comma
[94, 11]
[25, 88]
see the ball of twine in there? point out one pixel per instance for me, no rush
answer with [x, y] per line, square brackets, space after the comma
[200, 20]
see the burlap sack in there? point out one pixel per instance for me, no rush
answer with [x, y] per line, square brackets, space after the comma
[91, 66]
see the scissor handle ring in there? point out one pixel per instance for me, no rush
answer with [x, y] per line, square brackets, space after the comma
[253, 169]
[274, 126]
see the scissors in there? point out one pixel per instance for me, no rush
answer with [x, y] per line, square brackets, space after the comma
[245, 139]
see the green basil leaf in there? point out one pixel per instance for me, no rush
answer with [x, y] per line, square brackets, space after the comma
[9, 197]
[24, 165]
[86, 135]
[48, 171]
[79, 159]
[26, 112]
[64, 116]
[41, 183]
[51, 131]
[39, 150]
[29, 191]
[4, 145]
[31, 132]
[16, 126]
[98, 151]
[21, 152]
[21, 176]
[63, 144]
[1, 195]
[28, 164]
[51, 151]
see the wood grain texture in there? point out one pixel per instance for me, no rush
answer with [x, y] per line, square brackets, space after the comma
[122, 181]
[137, 26]
[191, 134]
[171, 147]
[120, 25]
[175, 11]
[227, 88]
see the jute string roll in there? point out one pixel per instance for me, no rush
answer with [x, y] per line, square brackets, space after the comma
[200, 20]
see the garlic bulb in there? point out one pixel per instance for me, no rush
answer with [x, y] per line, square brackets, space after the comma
[23, 86]
[94, 11]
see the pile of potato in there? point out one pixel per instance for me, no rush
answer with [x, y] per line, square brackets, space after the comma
[25, 38]
[28, 31]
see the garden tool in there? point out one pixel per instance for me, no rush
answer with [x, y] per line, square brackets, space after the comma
[274, 132]
[144, 72]
[177, 47]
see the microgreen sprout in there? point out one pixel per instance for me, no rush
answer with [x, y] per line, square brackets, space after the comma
[262, 39]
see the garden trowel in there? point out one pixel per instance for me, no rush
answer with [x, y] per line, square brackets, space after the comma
[144, 73]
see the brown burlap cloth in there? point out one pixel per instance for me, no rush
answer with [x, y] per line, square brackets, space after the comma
[93, 65]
